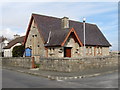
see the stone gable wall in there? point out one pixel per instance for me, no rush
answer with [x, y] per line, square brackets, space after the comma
[34, 41]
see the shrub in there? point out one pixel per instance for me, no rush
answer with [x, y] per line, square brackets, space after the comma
[18, 51]
[37, 65]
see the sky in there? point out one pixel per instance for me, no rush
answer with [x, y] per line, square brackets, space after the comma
[16, 16]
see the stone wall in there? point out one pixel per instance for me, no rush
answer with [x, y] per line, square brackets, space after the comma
[77, 64]
[105, 51]
[24, 62]
[56, 52]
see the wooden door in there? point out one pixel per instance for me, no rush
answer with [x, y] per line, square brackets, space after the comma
[67, 52]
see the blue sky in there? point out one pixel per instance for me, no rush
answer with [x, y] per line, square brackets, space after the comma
[16, 16]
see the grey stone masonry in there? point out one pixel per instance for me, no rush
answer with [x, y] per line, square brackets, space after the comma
[77, 64]
[24, 62]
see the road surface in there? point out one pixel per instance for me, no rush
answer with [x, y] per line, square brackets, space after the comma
[13, 79]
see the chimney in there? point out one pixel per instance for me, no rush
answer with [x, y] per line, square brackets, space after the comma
[6, 42]
[16, 36]
[65, 22]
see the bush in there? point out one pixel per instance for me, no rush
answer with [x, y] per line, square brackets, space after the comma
[37, 65]
[18, 51]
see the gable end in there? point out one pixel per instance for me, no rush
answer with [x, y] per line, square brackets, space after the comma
[72, 31]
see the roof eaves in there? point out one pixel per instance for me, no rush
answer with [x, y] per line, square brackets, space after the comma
[52, 45]
[28, 29]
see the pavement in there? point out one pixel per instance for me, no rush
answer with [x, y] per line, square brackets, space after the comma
[53, 75]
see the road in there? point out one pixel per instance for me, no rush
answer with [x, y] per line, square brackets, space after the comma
[13, 79]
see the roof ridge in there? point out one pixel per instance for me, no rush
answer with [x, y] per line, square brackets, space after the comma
[82, 22]
[60, 18]
[45, 16]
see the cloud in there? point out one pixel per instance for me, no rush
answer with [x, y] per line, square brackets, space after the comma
[8, 33]
[16, 16]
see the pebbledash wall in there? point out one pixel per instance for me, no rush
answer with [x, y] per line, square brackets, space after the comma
[77, 64]
[25, 62]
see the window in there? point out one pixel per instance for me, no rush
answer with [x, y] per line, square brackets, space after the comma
[87, 50]
[99, 50]
[35, 35]
[77, 49]
[90, 51]
[38, 45]
[30, 47]
[60, 50]
[53, 49]
[33, 26]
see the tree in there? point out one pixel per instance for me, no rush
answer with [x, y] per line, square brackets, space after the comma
[18, 51]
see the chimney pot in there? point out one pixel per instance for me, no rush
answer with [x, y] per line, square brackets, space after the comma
[16, 36]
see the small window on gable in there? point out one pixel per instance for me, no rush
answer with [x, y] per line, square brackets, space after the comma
[30, 47]
[38, 45]
[61, 49]
[77, 49]
[33, 26]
